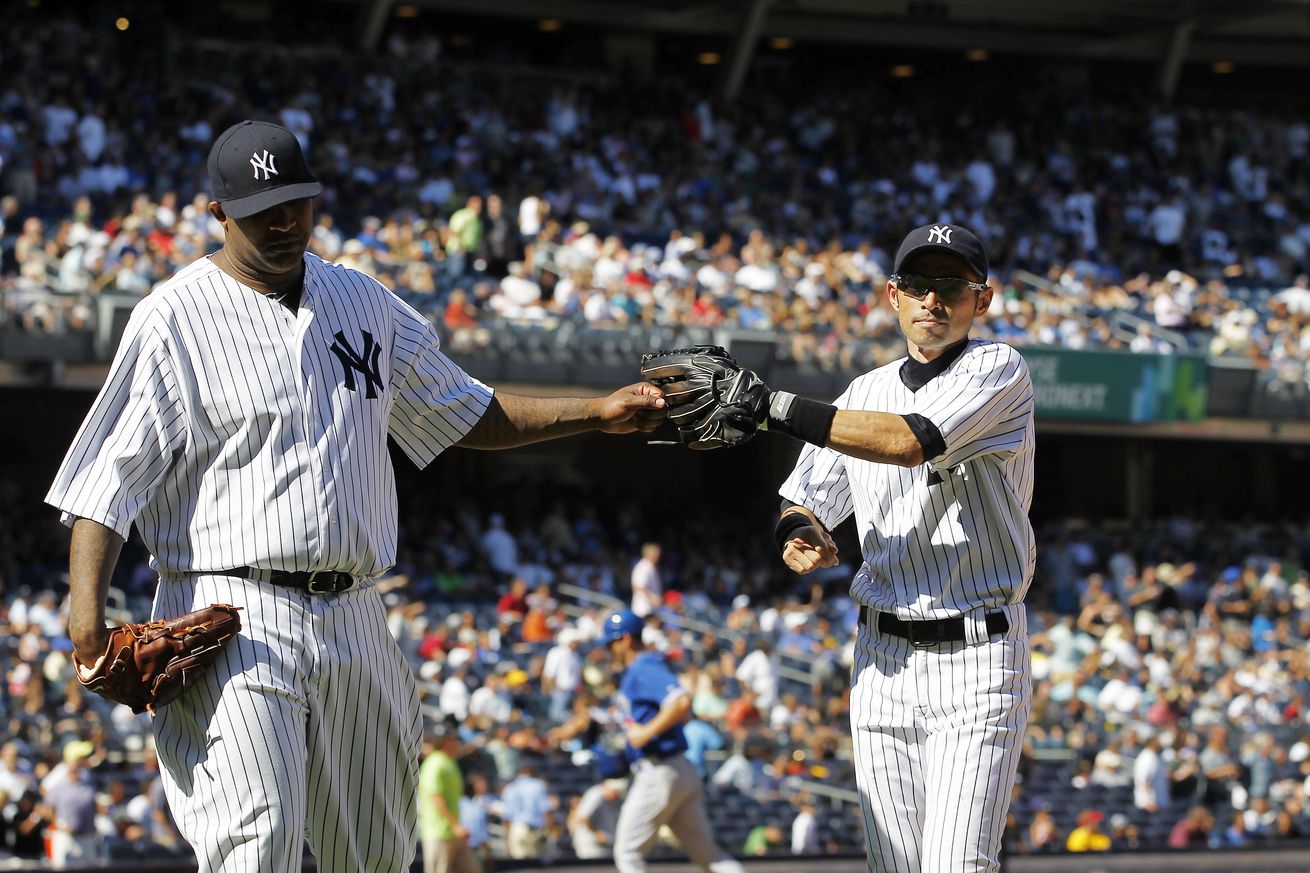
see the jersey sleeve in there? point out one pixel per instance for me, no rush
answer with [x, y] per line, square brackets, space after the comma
[129, 438]
[986, 407]
[819, 482]
[436, 403]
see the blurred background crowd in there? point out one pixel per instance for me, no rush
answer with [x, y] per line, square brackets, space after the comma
[1171, 672]
[1112, 222]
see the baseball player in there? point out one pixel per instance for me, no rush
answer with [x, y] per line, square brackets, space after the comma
[243, 429]
[666, 788]
[934, 455]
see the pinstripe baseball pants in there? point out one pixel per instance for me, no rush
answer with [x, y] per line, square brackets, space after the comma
[307, 727]
[937, 735]
[667, 792]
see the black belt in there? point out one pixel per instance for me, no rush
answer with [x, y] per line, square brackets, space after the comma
[320, 582]
[932, 632]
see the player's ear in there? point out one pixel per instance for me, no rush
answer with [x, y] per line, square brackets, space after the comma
[216, 210]
[892, 297]
[984, 302]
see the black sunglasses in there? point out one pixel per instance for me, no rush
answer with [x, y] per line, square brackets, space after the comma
[949, 289]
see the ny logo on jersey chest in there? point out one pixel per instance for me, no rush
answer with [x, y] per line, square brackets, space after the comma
[365, 363]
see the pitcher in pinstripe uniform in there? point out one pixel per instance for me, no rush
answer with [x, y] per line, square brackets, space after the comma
[243, 429]
[934, 456]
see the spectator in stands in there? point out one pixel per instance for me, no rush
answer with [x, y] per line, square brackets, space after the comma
[1286, 827]
[464, 236]
[562, 674]
[474, 814]
[526, 805]
[805, 828]
[441, 786]
[759, 672]
[1110, 768]
[1258, 817]
[646, 587]
[1088, 836]
[1150, 777]
[744, 770]
[1123, 833]
[1193, 830]
[513, 604]
[743, 713]
[1043, 834]
[701, 738]
[491, 700]
[15, 773]
[72, 798]
[1217, 766]
[764, 839]
[26, 820]
[501, 550]
[1236, 836]
[593, 821]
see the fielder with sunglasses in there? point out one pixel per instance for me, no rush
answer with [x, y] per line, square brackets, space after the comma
[934, 455]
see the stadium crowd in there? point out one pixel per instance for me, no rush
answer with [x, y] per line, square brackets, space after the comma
[1171, 670]
[646, 204]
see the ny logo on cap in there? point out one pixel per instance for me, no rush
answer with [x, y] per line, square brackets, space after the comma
[263, 162]
[940, 233]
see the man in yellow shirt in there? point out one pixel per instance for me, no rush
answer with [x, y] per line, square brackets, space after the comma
[1088, 836]
[440, 787]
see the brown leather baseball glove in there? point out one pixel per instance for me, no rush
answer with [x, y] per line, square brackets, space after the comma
[149, 665]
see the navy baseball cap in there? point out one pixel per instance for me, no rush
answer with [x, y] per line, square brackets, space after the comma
[621, 624]
[949, 238]
[255, 165]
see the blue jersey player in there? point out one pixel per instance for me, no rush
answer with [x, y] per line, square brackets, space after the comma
[666, 787]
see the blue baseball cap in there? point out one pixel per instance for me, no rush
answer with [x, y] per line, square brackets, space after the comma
[621, 624]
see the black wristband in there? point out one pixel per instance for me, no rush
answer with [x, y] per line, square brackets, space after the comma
[799, 417]
[787, 525]
[929, 437]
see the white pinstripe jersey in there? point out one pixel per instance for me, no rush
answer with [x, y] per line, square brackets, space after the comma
[236, 432]
[936, 549]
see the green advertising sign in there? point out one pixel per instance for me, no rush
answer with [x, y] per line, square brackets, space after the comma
[1117, 386]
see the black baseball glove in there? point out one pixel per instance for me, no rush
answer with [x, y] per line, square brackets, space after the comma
[711, 399]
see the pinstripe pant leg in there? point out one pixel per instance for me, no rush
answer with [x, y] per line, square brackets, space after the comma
[232, 748]
[363, 738]
[888, 748]
[643, 813]
[976, 726]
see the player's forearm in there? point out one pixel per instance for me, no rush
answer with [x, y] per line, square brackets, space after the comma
[91, 559]
[881, 437]
[512, 420]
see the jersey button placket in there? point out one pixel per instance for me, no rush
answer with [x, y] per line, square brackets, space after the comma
[314, 442]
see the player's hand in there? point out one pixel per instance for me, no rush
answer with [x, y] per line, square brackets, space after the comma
[638, 736]
[461, 832]
[810, 549]
[637, 407]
